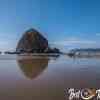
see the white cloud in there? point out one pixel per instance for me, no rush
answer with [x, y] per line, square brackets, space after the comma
[97, 34]
[7, 45]
[71, 43]
[74, 41]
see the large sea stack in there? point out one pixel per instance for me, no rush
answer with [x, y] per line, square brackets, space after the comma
[32, 41]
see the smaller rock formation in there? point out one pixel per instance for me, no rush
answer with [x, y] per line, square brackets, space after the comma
[54, 50]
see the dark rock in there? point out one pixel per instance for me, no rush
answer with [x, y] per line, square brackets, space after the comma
[13, 52]
[32, 41]
[54, 50]
[71, 54]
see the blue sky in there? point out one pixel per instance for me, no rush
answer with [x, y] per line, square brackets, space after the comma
[66, 23]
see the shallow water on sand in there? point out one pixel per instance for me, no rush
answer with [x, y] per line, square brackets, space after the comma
[45, 78]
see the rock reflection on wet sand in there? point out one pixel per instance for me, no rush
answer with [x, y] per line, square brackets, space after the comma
[33, 67]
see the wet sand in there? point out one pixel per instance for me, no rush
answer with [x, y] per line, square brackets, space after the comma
[45, 78]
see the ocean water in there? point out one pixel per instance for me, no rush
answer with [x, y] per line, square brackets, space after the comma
[45, 78]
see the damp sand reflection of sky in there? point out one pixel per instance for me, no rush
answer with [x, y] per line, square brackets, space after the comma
[45, 78]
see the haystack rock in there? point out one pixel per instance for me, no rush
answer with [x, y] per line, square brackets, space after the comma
[32, 41]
